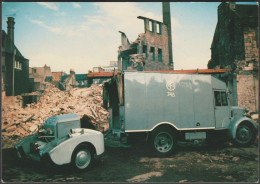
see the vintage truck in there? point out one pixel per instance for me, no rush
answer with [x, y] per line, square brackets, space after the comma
[61, 140]
[169, 107]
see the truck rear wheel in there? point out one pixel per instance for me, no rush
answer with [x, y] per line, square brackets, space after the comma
[245, 135]
[82, 158]
[163, 141]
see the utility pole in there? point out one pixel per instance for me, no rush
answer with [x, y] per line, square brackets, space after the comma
[13, 68]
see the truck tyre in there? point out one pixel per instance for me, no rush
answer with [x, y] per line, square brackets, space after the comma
[82, 158]
[245, 135]
[163, 141]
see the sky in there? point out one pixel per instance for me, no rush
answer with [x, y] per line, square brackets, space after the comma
[83, 35]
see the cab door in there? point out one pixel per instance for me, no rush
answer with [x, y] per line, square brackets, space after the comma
[222, 109]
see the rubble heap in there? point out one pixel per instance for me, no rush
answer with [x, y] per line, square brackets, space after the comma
[18, 122]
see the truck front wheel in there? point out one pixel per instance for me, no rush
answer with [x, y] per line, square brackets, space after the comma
[163, 141]
[245, 135]
[82, 158]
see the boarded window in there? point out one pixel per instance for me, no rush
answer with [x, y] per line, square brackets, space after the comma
[159, 54]
[152, 51]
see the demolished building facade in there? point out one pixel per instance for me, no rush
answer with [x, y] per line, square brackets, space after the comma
[152, 50]
[37, 76]
[235, 46]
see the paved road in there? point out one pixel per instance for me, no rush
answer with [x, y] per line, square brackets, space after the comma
[136, 164]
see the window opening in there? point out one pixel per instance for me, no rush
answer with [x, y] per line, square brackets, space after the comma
[153, 53]
[158, 28]
[145, 50]
[159, 54]
[150, 26]
[17, 65]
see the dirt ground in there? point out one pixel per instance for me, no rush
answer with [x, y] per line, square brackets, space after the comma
[190, 163]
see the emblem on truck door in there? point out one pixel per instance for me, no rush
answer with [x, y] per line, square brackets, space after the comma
[170, 85]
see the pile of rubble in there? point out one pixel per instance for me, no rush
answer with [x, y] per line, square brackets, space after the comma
[18, 122]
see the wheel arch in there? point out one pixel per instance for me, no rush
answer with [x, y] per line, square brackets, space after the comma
[164, 124]
[86, 144]
[242, 120]
[161, 125]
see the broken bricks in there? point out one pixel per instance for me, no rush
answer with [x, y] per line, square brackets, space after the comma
[22, 122]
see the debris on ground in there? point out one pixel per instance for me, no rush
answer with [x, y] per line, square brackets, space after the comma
[18, 122]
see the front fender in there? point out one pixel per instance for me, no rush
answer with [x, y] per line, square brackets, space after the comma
[62, 153]
[235, 122]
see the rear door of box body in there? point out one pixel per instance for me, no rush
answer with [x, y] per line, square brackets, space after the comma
[135, 101]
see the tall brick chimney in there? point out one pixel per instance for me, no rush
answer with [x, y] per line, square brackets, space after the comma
[10, 28]
[167, 21]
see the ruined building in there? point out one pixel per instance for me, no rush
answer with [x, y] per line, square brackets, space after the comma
[39, 75]
[152, 50]
[15, 67]
[235, 46]
[68, 80]
[56, 76]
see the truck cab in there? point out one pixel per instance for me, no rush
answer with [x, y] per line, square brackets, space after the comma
[170, 107]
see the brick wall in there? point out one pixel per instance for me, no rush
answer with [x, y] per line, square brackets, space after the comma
[152, 44]
[246, 85]
[251, 47]
[157, 41]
